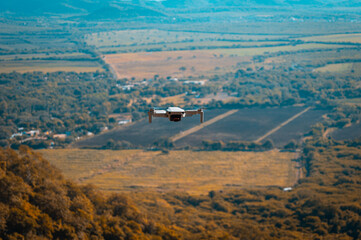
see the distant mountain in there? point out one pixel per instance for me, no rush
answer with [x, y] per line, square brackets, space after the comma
[123, 11]
[104, 9]
[45, 6]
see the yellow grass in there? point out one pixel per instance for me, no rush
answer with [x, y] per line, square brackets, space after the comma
[194, 172]
[338, 67]
[354, 38]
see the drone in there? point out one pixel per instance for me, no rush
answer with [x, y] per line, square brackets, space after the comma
[174, 114]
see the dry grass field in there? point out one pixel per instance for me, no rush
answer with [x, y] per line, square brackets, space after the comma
[170, 63]
[339, 67]
[354, 68]
[193, 172]
[354, 38]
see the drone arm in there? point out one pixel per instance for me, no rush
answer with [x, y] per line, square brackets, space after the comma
[194, 112]
[150, 115]
[156, 113]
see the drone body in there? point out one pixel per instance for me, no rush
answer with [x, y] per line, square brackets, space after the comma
[174, 114]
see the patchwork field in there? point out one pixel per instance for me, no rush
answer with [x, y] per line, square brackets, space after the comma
[194, 62]
[194, 172]
[144, 134]
[251, 124]
[244, 125]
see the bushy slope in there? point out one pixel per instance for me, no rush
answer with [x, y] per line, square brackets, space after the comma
[36, 202]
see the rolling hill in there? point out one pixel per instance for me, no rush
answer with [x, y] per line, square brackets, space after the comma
[99, 9]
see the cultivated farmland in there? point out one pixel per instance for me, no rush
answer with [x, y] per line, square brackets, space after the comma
[142, 133]
[244, 125]
[194, 172]
[250, 124]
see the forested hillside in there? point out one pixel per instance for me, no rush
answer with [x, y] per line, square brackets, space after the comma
[36, 202]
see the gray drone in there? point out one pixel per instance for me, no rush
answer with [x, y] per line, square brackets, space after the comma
[174, 114]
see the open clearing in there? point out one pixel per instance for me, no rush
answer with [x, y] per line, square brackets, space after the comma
[194, 172]
[347, 133]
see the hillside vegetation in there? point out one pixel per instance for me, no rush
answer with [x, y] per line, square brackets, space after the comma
[36, 202]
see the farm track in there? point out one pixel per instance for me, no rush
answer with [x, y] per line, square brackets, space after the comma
[282, 124]
[199, 127]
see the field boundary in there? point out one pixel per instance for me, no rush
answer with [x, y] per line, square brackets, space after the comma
[282, 125]
[199, 127]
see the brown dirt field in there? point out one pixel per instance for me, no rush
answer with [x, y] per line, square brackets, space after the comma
[168, 63]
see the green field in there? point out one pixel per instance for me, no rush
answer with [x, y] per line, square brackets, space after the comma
[154, 36]
[12, 57]
[194, 172]
[49, 66]
[188, 46]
